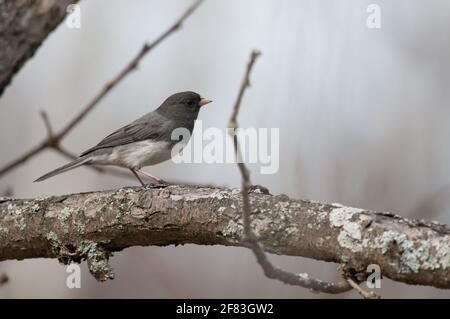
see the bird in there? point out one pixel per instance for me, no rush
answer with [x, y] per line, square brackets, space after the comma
[145, 141]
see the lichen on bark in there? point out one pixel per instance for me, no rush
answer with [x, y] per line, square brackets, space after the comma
[90, 226]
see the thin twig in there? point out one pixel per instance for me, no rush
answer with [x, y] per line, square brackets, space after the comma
[362, 292]
[47, 123]
[51, 142]
[270, 271]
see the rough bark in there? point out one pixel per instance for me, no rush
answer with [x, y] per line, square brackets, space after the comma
[92, 225]
[24, 24]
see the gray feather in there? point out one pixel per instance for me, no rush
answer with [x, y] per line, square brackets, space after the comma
[157, 125]
[134, 132]
[78, 162]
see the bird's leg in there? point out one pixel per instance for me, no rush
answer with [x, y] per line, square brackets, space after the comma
[137, 176]
[158, 182]
[150, 175]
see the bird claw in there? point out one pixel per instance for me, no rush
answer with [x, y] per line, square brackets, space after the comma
[156, 184]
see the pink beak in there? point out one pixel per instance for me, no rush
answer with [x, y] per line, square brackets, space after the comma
[204, 102]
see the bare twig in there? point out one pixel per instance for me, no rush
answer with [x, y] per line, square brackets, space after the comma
[362, 292]
[55, 140]
[47, 123]
[270, 271]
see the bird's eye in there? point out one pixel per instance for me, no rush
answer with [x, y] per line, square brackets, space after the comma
[190, 103]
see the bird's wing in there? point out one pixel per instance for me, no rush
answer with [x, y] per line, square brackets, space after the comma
[133, 132]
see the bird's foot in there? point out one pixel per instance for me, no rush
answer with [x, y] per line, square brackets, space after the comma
[157, 184]
[155, 178]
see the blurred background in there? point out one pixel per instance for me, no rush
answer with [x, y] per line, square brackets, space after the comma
[363, 117]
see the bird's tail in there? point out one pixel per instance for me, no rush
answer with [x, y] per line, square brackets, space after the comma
[78, 162]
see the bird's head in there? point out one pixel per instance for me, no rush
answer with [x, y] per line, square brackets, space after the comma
[183, 103]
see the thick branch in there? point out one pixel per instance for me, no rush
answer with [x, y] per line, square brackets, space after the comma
[91, 225]
[24, 24]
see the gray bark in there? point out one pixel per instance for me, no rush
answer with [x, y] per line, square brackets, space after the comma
[93, 225]
[24, 24]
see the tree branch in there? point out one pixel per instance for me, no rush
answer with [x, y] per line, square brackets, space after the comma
[24, 24]
[55, 140]
[302, 280]
[92, 225]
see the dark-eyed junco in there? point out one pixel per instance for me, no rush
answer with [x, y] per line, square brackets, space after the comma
[146, 141]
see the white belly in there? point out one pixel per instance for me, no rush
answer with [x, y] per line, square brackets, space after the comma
[136, 155]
